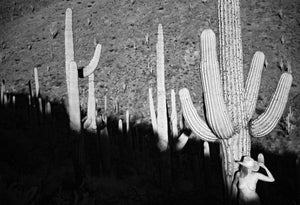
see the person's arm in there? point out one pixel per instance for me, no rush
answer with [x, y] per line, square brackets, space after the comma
[234, 189]
[269, 177]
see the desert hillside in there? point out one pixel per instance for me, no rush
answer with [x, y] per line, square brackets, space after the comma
[127, 32]
[37, 152]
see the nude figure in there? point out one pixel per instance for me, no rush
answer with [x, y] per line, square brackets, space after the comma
[245, 180]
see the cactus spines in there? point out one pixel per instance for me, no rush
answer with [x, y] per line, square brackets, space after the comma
[36, 81]
[73, 98]
[253, 82]
[265, 123]
[162, 121]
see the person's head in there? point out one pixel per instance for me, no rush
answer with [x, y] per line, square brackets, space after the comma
[248, 165]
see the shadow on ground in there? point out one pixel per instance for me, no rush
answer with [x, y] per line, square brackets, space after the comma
[39, 164]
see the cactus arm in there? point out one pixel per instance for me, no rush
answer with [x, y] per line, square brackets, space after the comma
[162, 121]
[217, 115]
[90, 123]
[253, 82]
[73, 96]
[69, 50]
[195, 123]
[265, 123]
[152, 112]
[69, 46]
[181, 141]
[90, 68]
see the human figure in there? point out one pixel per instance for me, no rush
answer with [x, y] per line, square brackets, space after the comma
[245, 180]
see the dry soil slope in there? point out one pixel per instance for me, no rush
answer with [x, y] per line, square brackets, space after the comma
[127, 65]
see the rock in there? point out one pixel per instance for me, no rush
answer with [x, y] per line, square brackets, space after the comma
[32, 8]
[280, 13]
[3, 45]
[280, 65]
[89, 21]
[54, 29]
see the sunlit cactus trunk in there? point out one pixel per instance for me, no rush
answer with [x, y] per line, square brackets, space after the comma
[231, 67]
[160, 122]
[73, 105]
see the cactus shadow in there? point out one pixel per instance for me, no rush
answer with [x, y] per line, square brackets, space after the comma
[38, 160]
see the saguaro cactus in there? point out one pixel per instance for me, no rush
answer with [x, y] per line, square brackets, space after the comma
[72, 73]
[229, 105]
[160, 124]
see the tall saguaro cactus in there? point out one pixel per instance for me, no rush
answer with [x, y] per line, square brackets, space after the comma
[72, 73]
[160, 124]
[229, 104]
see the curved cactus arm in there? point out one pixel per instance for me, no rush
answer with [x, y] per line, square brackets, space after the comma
[90, 68]
[217, 114]
[69, 46]
[69, 50]
[152, 112]
[73, 98]
[265, 123]
[162, 120]
[90, 123]
[195, 123]
[253, 82]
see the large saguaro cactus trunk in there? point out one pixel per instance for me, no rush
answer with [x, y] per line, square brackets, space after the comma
[231, 67]
[229, 103]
